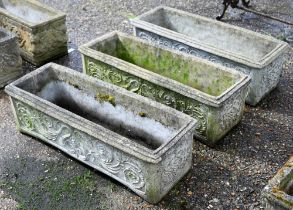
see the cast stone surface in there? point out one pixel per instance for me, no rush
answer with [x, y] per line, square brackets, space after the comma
[10, 60]
[254, 54]
[151, 173]
[41, 30]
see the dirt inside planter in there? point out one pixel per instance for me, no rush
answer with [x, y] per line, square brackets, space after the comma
[212, 34]
[117, 118]
[201, 76]
[25, 10]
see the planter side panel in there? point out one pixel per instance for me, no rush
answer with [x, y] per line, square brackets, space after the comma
[10, 61]
[263, 80]
[50, 41]
[40, 44]
[124, 168]
[176, 163]
[142, 87]
[222, 120]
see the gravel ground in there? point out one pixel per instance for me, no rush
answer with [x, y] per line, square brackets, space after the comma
[34, 175]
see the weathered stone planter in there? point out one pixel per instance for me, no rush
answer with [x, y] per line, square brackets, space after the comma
[143, 144]
[41, 30]
[278, 194]
[246, 51]
[10, 60]
[212, 94]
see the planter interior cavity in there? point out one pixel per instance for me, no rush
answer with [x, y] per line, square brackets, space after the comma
[117, 118]
[203, 77]
[26, 10]
[246, 51]
[41, 30]
[193, 86]
[237, 42]
[128, 137]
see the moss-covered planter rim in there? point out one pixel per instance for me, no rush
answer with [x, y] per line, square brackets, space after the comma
[162, 81]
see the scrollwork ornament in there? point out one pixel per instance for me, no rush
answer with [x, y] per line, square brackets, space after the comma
[80, 145]
[133, 175]
[25, 116]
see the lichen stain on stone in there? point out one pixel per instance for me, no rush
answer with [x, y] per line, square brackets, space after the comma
[106, 98]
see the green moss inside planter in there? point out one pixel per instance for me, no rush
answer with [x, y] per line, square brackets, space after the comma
[203, 77]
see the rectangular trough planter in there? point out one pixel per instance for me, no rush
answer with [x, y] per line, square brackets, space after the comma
[143, 144]
[212, 94]
[10, 60]
[246, 51]
[278, 194]
[41, 30]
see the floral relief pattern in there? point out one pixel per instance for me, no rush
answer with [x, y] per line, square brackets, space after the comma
[81, 145]
[134, 84]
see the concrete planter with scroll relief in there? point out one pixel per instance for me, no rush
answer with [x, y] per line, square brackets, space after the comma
[278, 194]
[246, 51]
[10, 60]
[143, 144]
[41, 30]
[210, 93]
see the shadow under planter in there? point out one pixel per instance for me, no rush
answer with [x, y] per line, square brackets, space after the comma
[10, 60]
[41, 30]
[278, 194]
[210, 93]
[144, 145]
[249, 52]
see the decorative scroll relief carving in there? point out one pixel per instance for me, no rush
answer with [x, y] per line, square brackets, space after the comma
[81, 145]
[41, 42]
[134, 84]
[176, 162]
[23, 36]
